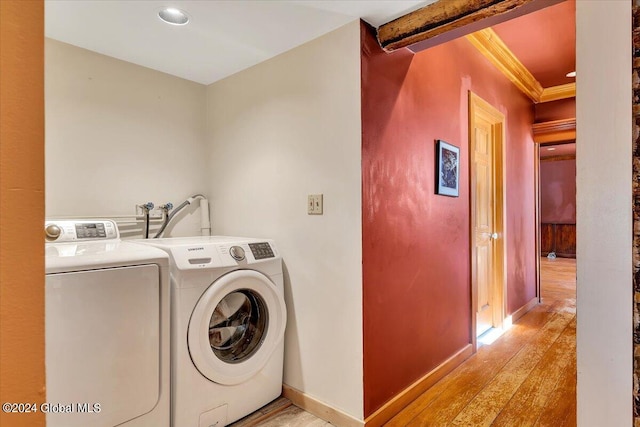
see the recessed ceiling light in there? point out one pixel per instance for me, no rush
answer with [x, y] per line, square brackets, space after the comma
[571, 74]
[551, 148]
[173, 16]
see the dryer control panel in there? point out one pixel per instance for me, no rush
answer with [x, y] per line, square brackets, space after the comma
[61, 231]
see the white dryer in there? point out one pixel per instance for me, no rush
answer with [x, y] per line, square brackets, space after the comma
[106, 328]
[228, 318]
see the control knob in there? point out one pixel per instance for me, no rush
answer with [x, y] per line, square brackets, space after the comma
[237, 253]
[52, 232]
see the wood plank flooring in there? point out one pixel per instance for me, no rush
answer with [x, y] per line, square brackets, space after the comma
[265, 414]
[525, 378]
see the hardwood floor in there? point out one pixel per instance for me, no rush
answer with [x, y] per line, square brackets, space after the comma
[525, 378]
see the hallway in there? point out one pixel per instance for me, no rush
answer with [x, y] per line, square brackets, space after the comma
[526, 378]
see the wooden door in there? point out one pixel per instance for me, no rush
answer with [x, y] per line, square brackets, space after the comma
[486, 129]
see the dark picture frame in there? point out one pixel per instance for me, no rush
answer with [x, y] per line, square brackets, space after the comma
[447, 169]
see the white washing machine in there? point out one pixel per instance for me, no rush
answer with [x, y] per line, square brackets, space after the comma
[228, 318]
[106, 328]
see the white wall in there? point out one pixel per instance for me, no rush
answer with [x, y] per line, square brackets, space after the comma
[604, 215]
[279, 131]
[118, 135]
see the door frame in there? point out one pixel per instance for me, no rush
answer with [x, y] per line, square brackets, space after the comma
[536, 191]
[478, 106]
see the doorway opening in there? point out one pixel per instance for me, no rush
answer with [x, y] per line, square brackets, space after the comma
[557, 231]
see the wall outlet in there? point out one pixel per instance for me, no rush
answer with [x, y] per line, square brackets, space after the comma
[314, 204]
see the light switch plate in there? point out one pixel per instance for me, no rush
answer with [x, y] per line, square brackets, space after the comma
[314, 204]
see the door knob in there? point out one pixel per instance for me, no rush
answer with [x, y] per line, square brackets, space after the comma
[494, 236]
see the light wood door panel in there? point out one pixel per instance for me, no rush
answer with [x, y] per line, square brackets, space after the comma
[486, 131]
[483, 161]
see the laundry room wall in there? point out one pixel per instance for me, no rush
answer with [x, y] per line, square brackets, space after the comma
[277, 132]
[118, 134]
[416, 244]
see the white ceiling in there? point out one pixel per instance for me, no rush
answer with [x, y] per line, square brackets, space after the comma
[222, 38]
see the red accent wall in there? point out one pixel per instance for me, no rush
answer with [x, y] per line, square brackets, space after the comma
[558, 191]
[416, 267]
[556, 110]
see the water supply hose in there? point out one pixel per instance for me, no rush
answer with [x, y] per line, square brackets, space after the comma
[165, 208]
[182, 206]
[146, 208]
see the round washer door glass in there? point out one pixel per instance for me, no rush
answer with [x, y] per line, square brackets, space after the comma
[235, 327]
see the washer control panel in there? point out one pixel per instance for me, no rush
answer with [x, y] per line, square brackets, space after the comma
[61, 231]
[261, 250]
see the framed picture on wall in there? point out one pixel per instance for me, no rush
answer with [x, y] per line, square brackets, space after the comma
[447, 169]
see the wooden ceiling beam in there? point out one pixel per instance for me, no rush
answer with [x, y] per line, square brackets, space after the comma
[494, 49]
[441, 17]
[460, 17]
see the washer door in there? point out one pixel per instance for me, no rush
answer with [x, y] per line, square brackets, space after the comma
[235, 327]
